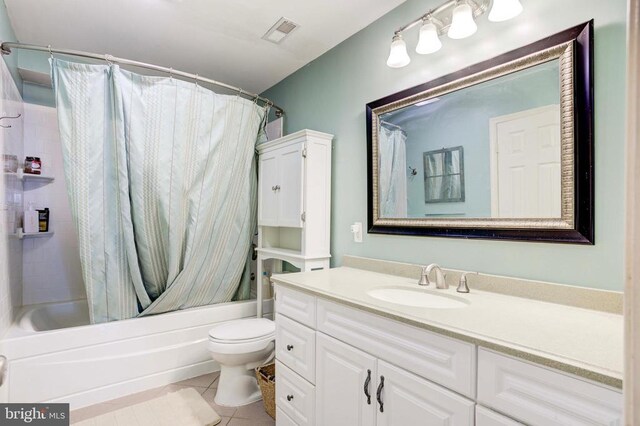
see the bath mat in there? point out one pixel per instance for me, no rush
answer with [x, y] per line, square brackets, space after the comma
[185, 407]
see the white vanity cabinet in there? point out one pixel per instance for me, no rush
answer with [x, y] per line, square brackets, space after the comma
[357, 383]
[537, 395]
[346, 384]
[486, 417]
[338, 365]
[358, 389]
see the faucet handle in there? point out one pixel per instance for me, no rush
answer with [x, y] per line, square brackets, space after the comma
[424, 277]
[462, 284]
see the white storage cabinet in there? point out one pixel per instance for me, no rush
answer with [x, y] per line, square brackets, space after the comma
[294, 204]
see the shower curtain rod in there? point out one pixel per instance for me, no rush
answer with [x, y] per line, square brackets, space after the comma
[386, 123]
[5, 49]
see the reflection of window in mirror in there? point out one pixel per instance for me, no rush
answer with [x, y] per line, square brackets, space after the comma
[444, 175]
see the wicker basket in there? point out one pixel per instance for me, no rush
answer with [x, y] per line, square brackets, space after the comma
[266, 376]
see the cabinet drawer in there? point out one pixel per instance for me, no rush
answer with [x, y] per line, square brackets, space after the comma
[486, 417]
[282, 419]
[295, 396]
[539, 396]
[296, 305]
[296, 347]
[448, 362]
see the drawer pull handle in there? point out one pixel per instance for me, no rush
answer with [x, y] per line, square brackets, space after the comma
[379, 394]
[289, 348]
[366, 387]
[289, 397]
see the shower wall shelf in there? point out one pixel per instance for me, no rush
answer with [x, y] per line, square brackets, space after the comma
[34, 178]
[22, 235]
[27, 177]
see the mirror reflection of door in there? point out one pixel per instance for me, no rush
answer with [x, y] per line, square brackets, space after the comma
[525, 164]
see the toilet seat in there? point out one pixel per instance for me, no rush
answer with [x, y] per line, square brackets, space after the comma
[242, 336]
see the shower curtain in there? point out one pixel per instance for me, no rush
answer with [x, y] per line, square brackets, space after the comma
[393, 173]
[162, 184]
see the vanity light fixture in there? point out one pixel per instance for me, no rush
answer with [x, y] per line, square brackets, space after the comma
[429, 40]
[398, 56]
[503, 10]
[462, 23]
[456, 18]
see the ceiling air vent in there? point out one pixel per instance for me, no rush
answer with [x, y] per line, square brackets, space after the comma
[280, 30]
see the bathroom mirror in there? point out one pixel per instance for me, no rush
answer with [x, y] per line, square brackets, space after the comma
[501, 150]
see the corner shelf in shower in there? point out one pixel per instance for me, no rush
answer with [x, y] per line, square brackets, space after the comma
[27, 177]
[22, 235]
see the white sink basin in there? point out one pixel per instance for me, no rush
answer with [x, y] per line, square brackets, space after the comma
[417, 298]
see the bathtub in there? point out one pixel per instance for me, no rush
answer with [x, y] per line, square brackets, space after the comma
[54, 316]
[55, 355]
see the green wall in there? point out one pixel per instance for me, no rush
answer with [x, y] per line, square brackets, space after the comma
[330, 94]
[7, 34]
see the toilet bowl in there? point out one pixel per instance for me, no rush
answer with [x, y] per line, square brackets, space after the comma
[239, 346]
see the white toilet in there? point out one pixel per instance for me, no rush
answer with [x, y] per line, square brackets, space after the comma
[239, 346]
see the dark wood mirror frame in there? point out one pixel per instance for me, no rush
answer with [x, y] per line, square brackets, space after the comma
[580, 228]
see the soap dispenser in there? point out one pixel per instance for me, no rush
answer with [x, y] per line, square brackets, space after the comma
[31, 220]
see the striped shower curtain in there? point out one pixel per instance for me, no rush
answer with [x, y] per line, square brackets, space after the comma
[393, 173]
[162, 185]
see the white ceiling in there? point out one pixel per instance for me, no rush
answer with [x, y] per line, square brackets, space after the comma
[219, 39]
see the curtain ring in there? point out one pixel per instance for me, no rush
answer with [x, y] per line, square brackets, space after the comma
[240, 92]
[196, 79]
[171, 74]
[108, 59]
[50, 51]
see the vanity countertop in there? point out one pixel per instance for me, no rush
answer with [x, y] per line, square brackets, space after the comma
[580, 341]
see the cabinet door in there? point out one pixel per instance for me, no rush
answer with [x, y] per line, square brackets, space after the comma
[343, 375]
[486, 417]
[290, 166]
[268, 197]
[406, 399]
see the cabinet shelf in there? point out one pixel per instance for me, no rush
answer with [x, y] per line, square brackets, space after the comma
[282, 253]
[22, 235]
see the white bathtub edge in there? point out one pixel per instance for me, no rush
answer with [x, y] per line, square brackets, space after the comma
[114, 362]
[140, 384]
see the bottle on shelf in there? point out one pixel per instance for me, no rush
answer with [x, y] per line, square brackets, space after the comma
[43, 220]
[31, 220]
[33, 166]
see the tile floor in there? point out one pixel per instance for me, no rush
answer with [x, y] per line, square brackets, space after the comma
[252, 414]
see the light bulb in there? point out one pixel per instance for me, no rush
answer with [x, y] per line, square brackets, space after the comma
[462, 23]
[504, 9]
[398, 56]
[428, 42]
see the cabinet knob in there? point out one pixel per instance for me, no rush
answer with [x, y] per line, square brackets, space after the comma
[289, 397]
[289, 348]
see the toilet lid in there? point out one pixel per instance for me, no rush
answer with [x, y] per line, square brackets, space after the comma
[243, 329]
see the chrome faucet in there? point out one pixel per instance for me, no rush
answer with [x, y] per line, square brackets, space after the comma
[440, 281]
